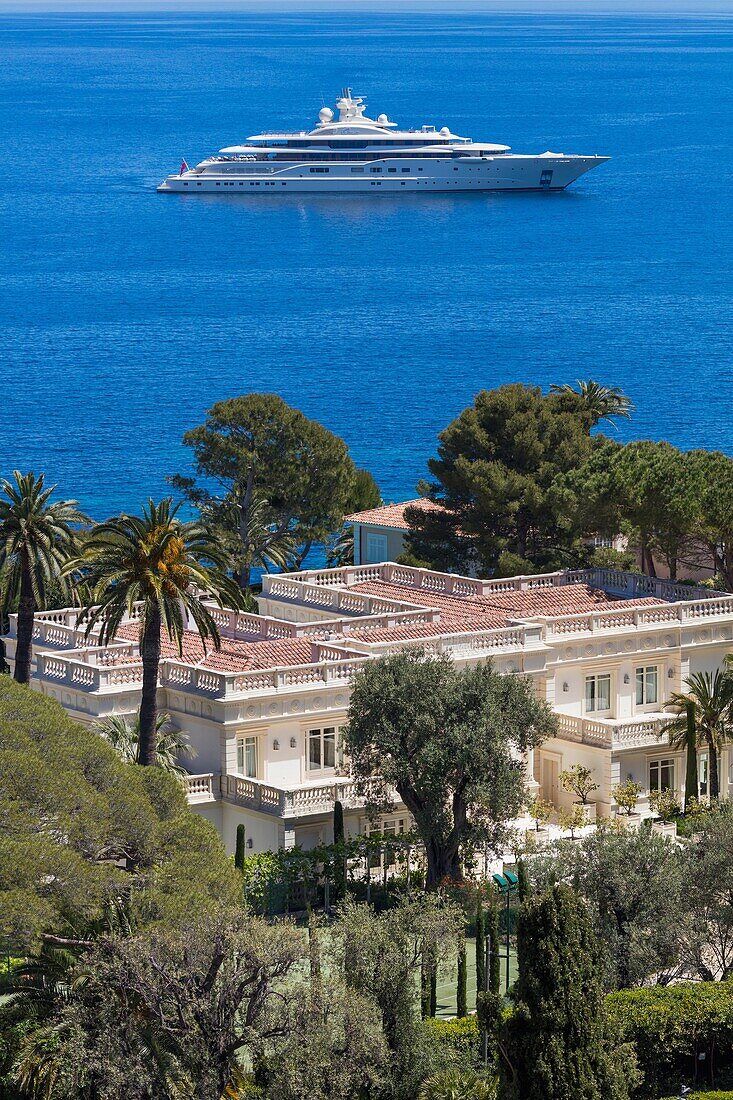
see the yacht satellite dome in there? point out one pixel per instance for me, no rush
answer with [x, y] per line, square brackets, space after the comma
[325, 114]
[382, 119]
[444, 131]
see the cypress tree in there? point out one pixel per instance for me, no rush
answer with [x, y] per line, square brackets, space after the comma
[424, 990]
[691, 779]
[314, 951]
[523, 886]
[461, 1001]
[557, 1043]
[480, 949]
[240, 849]
[339, 854]
[492, 933]
[433, 987]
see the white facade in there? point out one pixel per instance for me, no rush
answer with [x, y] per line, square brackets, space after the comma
[606, 649]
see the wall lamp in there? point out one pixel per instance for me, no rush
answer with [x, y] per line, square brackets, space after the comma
[565, 686]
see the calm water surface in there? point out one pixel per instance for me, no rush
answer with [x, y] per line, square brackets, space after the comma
[125, 314]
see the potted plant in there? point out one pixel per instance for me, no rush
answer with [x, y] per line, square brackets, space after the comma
[572, 819]
[578, 780]
[664, 804]
[626, 796]
[541, 812]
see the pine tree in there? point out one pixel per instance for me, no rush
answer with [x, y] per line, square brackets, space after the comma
[480, 949]
[492, 933]
[461, 1002]
[339, 854]
[241, 848]
[557, 1043]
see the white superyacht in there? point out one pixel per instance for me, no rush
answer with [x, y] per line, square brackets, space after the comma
[356, 153]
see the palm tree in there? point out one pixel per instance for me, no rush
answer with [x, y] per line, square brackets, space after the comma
[457, 1084]
[252, 540]
[124, 737]
[602, 402]
[156, 560]
[36, 539]
[711, 695]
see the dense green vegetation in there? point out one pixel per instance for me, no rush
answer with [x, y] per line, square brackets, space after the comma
[137, 968]
[525, 485]
[449, 741]
[272, 482]
[140, 961]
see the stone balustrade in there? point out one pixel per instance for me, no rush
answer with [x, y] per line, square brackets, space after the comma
[337, 668]
[468, 643]
[613, 581]
[82, 672]
[320, 799]
[636, 733]
[264, 798]
[202, 788]
[621, 619]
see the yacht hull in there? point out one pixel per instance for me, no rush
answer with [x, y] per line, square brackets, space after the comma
[506, 173]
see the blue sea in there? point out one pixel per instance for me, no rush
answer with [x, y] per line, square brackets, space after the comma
[124, 314]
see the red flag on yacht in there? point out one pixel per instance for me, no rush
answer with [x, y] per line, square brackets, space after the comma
[184, 168]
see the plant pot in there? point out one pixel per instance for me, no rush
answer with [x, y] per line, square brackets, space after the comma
[589, 809]
[631, 821]
[665, 828]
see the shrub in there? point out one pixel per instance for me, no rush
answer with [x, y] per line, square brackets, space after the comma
[626, 796]
[671, 1026]
[452, 1084]
[457, 1039]
[715, 1095]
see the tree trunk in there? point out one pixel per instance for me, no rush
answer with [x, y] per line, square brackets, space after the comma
[443, 863]
[245, 505]
[713, 765]
[647, 560]
[26, 615]
[150, 652]
[301, 556]
[691, 779]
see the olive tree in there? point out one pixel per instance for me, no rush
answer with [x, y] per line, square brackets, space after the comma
[450, 742]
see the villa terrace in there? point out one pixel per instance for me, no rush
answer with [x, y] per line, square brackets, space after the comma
[279, 685]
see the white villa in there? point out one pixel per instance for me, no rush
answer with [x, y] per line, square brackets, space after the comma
[604, 648]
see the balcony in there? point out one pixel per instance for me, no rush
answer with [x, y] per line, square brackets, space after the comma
[643, 732]
[255, 795]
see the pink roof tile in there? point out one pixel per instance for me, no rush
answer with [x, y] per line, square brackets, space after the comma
[392, 515]
[495, 609]
[235, 655]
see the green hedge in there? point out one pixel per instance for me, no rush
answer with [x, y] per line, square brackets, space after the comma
[716, 1095]
[458, 1040]
[671, 1027]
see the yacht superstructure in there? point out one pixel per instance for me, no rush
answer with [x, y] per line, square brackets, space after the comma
[354, 153]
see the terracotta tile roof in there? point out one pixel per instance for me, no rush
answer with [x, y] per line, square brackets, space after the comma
[235, 655]
[457, 612]
[495, 609]
[392, 515]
